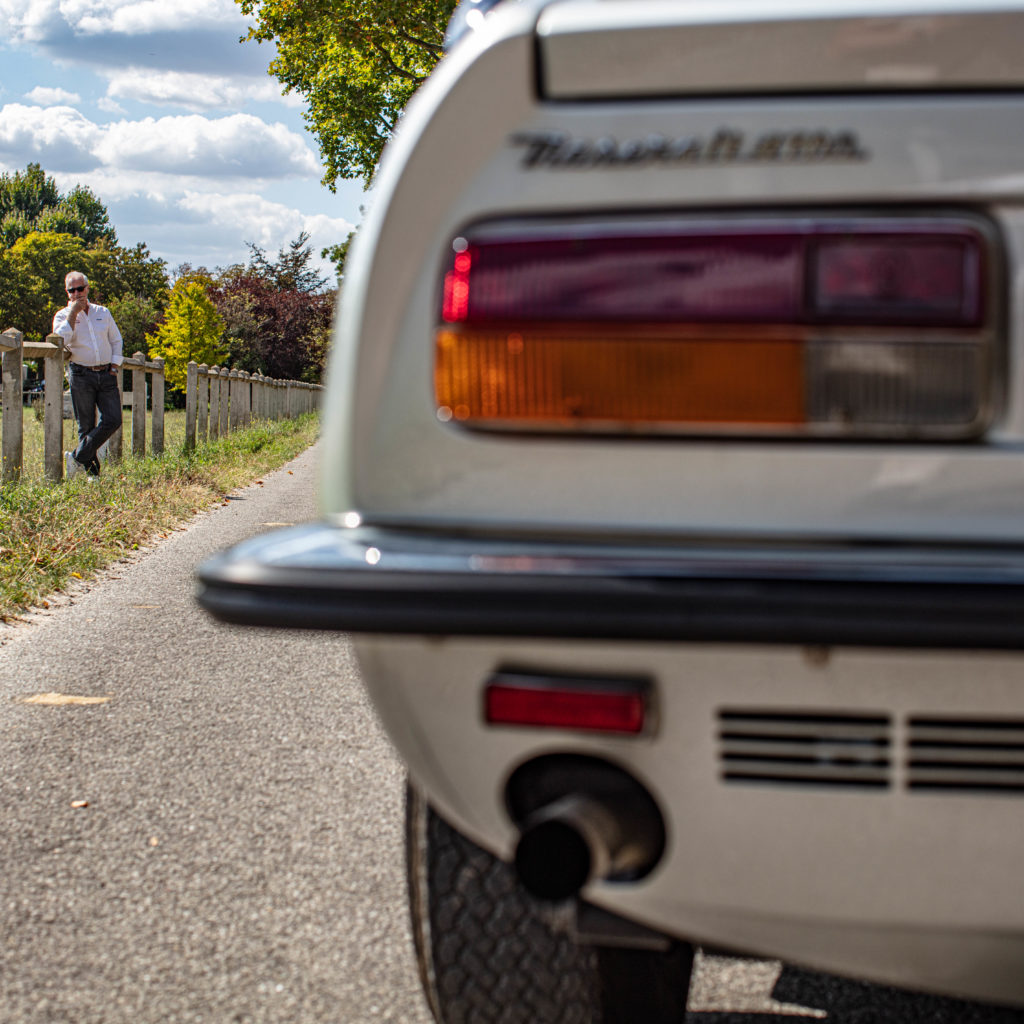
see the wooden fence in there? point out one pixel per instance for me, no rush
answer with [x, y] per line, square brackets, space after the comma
[217, 400]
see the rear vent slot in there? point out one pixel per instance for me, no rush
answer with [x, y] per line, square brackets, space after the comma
[975, 754]
[805, 749]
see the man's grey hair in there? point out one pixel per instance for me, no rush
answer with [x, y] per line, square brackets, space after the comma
[75, 273]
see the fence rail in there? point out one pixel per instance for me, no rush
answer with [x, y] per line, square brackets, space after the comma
[217, 400]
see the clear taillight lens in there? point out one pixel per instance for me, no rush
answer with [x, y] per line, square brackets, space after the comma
[856, 327]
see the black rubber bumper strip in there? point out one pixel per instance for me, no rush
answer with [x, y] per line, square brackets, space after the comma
[377, 581]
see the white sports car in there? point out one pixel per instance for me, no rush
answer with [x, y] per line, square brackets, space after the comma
[673, 493]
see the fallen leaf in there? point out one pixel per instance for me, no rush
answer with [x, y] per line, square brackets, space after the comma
[77, 575]
[54, 700]
[154, 841]
[290, 473]
[79, 803]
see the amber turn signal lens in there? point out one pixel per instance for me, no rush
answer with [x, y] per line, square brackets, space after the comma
[618, 376]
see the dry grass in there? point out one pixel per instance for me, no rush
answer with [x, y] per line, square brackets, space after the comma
[53, 533]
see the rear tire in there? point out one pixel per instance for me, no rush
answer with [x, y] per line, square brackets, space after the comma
[488, 954]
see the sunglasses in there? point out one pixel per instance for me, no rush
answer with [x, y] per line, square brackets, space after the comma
[80, 288]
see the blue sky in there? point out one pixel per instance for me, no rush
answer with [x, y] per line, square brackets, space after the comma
[174, 124]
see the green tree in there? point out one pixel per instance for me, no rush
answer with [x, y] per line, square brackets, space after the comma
[291, 271]
[29, 193]
[356, 63]
[35, 267]
[136, 317]
[192, 330]
[119, 272]
[31, 201]
[337, 254]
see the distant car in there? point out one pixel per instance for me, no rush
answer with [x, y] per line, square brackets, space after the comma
[673, 494]
[34, 389]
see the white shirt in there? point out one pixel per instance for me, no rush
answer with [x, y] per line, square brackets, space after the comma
[94, 339]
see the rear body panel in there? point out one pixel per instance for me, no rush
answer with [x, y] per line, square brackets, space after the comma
[888, 570]
[937, 152]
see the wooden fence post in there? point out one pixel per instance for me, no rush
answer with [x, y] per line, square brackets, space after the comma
[245, 389]
[13, 425]
[202, 401]
[234, 390]
[139, 407]
[191, 403]
[157, 391]
[225, 398]
[214, 402]
[114, 446]
[53, 411]
[288, 410]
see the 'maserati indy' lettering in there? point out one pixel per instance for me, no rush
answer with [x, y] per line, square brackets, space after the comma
[556, 150]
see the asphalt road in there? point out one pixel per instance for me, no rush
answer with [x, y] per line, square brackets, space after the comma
[219, 839]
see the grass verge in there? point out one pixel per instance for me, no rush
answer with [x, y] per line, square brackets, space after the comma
[52, 533]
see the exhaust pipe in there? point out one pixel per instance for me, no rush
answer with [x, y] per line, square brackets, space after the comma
[581, 838]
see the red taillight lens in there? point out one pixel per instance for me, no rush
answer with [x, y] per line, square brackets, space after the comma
[555, 703]
[808, 274]
[654, 279]
[872, 327]
[925, 280]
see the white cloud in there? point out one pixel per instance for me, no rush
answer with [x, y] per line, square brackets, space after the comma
[194, 91]
[50, 97]
[255, 219]
[110, 106]
[142, 17]
[237, 146]
[102, 34]
[61, 138]
[28, 20]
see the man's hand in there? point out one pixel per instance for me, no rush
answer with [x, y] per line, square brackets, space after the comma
[78, 306]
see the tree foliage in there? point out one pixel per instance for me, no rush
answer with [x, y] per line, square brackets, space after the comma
[31, 201]
[192, 330]
[32, 271]
[291, 271]
[34, 268]
[356, 63]
[276, 314]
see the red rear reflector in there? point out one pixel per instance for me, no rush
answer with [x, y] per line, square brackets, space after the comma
[561, 704]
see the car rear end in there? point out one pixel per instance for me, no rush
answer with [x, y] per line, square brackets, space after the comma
[674, 466]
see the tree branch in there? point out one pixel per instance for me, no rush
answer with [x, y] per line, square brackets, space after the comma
[400, 71]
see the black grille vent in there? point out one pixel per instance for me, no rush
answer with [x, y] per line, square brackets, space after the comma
[975, 754]
[804, 748]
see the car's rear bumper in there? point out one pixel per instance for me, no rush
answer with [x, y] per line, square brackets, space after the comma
[778, 849]
[368, 580]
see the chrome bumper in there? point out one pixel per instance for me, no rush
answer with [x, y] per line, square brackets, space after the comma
[371, 580]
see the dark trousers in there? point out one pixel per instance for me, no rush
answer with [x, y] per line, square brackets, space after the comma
[92, 390]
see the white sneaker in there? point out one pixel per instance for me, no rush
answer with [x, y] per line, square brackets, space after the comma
[71, 466]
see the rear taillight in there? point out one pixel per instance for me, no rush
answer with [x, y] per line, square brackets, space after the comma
[807, 326]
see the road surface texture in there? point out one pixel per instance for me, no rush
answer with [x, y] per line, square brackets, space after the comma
[217, 838]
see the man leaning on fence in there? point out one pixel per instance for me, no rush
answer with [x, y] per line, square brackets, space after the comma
[94, 342]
